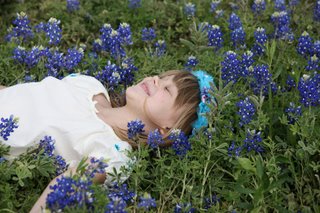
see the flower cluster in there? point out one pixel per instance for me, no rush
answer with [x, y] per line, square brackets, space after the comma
[316, 11]
[309, 89]
[305, 45]
[281, 22]
[189, 9]
[184, 208]
[73, 5]
[52, 30]
[95, 166]
[121, 191]
[160, 48]
[261, 80]
[211, 201]
[134, 4]
[231, 67]
[214, 4]
[246, 111]
[116, 204]
[238, 37]
[146, 202]
[215, 39]
[22, 28]
[73, 58]
[279, 5]
[54, 62]
[7, 126]
[260, 41]
[313, 63]
[127, 70]
[191, 63]
[181, 144]
[29, 58]
[252, 142]
[70, 192]
[290, 83]
[234, 22]
[148, 34]
[246, 62]
[155, 139]
[293, 113]
[258, 6]
[135, 128]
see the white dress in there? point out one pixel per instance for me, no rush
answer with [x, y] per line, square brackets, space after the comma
[64, 110]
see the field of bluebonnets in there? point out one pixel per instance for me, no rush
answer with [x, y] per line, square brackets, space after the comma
[260, 152]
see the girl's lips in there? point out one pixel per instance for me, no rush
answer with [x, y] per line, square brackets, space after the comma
[145, 88]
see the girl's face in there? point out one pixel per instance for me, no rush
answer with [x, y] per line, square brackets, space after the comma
[156, 97]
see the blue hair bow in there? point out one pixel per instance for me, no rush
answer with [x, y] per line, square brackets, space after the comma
[204, 80]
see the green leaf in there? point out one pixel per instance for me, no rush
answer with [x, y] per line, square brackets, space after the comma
[246, 164]
[259, 168]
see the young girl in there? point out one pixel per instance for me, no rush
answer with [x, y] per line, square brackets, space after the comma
[79, 114]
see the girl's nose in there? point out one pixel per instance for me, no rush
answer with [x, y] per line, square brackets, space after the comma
[156, 80]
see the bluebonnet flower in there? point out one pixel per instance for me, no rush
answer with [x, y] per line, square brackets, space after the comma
[134, 4]
[33, 57]
[52, 30]
[293, 113]
[316, 11]
[60, 164]
[316, 48]
[309, 89]
[214, 4]
[279, 5]
[261, 79]
[211, 201]
[184, 208]
[121, 191]
[219, 13]
[73, 58]
[189, 9]
[115, 45]
[147, 202]
[105, 36]
[260, 41]
[160, 48]
[231, 67]
[258, 6]
[234, 150]
[215, 37]
[191, 63]
[19, 54]
[252, 142]
[54, 63]
[148, 34]
[110, 75]
[47, 144]
[125, 34]
[313, 64]
[135, 128]
[97, 45]
[246, 111]
[22, 28]
[290, 83]
[155, 139]
[281, 22]
[305, 45]
[117, 205]
[73, 5]
[95, 166]
[69, 192]
[127, 72]
[234, 22]
[246, 62]
[7, 126]
[293, 3]
[181, 144]
[238, 37]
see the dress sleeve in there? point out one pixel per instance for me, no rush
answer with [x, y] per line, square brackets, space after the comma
[85, 82]
[112, 150]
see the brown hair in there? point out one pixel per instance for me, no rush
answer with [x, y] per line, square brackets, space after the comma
[188, 97]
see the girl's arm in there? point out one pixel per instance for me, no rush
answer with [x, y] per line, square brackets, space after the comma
[41, 202]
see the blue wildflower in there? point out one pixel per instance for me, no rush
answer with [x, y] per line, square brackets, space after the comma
[47, 144]
[231, 148]
[309, 89]
[234, 22]
[246, 62]
[110, 76]
[22, 28]
[73, 5]
[19, 54]
[246, 111]
[260, 41]
[97, 45]
[184, 208]
[134, 4]
[7, 126]
[313, 64]
[290, 83]
[155, 139]
[147, 202]
[252, 142]
[160, 48]
[305, 45]
[95, 166]
[148, 34]
[60, 164]
[258, 6]
[33, 57]
[127, 72]
[117, 205]
[279, 5]
[125, 34]
[54, 63]
[293, 113]
[215, 39]
[191, 63]
[261, 79]
[189, 9]
[211, 201]
[135, 128]
[73, 58]
[121, 191]
[68, 192]
[316, 48]
[181, 144]
[115, 45]
[214, 4]
[231, 67]
[238, 37]
[281, 22]
[52, 30]
[316, 11]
